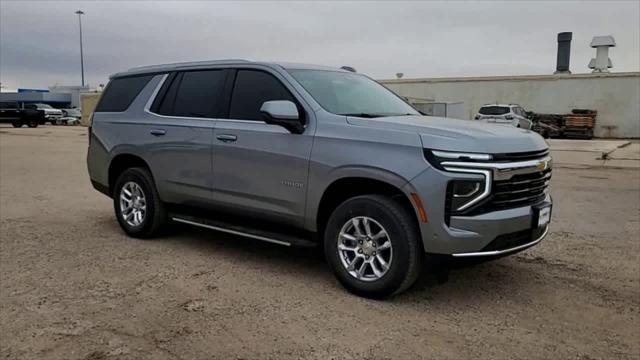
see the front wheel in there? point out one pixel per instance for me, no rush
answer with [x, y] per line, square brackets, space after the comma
[32, 123]
[138, 208]
[372, 244]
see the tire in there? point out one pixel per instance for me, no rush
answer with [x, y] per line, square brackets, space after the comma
[17, 124]
[154, 215]
[32, 123]
[406, 253]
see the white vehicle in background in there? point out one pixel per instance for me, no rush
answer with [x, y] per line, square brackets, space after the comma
[71, 116]
[511, 114]
[51, 114]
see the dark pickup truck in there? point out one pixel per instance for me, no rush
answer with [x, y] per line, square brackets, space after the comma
[18, 115]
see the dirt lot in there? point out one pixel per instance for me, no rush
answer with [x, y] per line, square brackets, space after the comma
[74, 287]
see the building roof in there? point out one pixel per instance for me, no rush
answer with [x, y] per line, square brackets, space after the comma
[510, 78]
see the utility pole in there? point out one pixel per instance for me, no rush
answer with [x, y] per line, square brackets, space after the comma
[80, 13]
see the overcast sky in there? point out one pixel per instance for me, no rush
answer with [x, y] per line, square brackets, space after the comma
[39, 40]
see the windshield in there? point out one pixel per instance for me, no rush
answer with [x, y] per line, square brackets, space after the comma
[351, 94]
[44, 106]
[494, 110]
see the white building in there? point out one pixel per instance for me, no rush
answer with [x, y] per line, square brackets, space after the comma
[616, 96]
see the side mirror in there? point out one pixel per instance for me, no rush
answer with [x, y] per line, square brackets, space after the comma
[283, 113]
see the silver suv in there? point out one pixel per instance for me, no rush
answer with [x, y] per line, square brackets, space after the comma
[511, 114]
[306, 155]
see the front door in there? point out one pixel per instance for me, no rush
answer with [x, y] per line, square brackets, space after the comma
[259, 169]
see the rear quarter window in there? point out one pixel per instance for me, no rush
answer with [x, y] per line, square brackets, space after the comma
[121, 92]
[494, 110]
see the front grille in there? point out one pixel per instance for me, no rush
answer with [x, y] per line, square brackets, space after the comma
[520, 156]
[520, 190]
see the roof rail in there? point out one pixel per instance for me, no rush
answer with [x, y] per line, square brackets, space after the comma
[183, 64]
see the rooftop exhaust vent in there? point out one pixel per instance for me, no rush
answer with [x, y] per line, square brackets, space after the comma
[564, 53]
[601, 63]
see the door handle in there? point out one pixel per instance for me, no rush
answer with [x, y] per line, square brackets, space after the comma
[157, 132]
[227, 137]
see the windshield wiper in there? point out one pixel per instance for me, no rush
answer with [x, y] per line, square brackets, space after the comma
[364, 115]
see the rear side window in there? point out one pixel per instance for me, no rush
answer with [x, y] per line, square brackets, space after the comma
[494, 110]
[252, 88]
[194, 94]
[121, 92]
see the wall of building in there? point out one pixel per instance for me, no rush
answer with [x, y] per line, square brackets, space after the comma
[61, 100]
[616, 96]
[73, 91]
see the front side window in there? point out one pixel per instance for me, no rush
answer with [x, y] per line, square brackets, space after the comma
[351, 94]
[251, 89]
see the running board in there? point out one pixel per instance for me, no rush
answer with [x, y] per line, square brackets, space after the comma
[258, 234]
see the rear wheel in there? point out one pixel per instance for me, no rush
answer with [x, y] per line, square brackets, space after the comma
[372, 245]
[17, 124]
[32, 123]
[138, 208]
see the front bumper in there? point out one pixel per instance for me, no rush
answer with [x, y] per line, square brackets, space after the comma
[507, 250]
[493, 233]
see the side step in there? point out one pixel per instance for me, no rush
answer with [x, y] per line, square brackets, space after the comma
[254, 233]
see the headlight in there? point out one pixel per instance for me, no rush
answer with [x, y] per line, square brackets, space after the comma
[464, 193]
[436, 157]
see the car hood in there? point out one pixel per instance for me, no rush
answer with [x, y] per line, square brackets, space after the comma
[459, 135]
[52, 111]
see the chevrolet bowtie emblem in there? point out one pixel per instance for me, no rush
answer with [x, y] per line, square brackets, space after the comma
[542, 165]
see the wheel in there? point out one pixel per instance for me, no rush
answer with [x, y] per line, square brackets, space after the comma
[33, 123]
[53, 122]
[372, 245]
[138, 208]
[17, 124]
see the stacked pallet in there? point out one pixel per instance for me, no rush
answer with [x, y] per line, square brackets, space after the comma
[579, 124]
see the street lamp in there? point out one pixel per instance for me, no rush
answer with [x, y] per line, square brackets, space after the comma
[80, 13]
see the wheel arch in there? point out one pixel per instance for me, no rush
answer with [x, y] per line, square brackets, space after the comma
[120, 163]
[344, 188]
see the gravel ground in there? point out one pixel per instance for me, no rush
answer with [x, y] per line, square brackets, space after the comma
[73, 286]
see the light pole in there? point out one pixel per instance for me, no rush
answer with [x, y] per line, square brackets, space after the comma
[80, 13]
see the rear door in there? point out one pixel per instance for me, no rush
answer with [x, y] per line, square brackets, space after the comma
[260, 170]
[181, 126]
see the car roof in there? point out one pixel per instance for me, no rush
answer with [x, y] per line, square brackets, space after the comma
[162, 68]
[502, 105]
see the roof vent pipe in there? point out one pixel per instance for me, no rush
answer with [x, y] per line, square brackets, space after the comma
[564, 53]
[602, 63]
